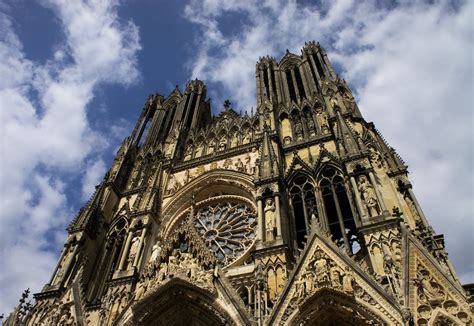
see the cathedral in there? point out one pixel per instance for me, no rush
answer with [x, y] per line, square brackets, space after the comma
[299, 213]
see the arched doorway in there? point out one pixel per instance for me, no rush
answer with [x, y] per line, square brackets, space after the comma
[328, 307]
[178, 303]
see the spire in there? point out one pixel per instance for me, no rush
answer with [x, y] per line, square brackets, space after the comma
[268, 165]
[348, 142]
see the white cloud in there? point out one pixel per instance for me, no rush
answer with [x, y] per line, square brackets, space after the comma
[45, 133]
[94, 173]
[410, 65]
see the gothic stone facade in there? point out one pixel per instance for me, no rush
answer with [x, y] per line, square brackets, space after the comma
[299, 213]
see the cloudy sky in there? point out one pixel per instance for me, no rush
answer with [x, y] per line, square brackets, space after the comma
[74, 76]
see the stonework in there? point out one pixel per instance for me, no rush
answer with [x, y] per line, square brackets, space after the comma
[299, 213]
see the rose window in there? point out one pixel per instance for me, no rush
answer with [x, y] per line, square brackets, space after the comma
[227, 229]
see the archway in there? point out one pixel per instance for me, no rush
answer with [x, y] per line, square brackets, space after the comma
[178, 303]
[328, 307]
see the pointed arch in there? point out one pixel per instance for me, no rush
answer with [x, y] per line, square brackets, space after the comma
[339, 215]
[302, 197]
[179, 302]
[330, 307]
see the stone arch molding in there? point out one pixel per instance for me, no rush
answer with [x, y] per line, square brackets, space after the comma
[178, 302]
[205, 186]
[329, 307]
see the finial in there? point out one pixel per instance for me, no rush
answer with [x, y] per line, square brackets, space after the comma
[227, 104]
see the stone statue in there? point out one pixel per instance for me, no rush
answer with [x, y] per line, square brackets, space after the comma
[348, 100]
[322, 119]
[368, 195]
[247, 137]
[333, 100]
[375, 157]
[211, 147]
[188, 153]
[299, 130]
[169, 149]
[309, 281]
[133, 250]
[235, 140]
[141, 289]
[227, 164]
[162, 272]
[155, 252]
[270, 220]
[335, 276]
[347, 279]
[198, 151]
[193, 268]
[247, 164]
[187, 176]
[299, 290]
[321, 267]
[239, 166]
[313, 211]
[173, 262]
[311, 128]
[223, 144]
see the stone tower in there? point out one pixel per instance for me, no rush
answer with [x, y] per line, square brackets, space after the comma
[299, 213]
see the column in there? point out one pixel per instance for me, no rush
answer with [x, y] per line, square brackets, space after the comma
[278, 215]
[260, 228]
[305, 212]
[321, 213]
[328, 65]
[278, 85]
[295, 86]
[285, 87]
[340, 218]
[195, 111]
[259, 94]
[360, 207]
[123, 258]
[270, 83]
[304, 80]
[315, 69]
[140, 246]
[309, 75]
[377, 193]
[262, 83]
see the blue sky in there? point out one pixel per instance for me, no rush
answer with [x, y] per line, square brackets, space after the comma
[74, 76]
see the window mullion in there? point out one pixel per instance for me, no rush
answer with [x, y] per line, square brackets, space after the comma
[340, 218]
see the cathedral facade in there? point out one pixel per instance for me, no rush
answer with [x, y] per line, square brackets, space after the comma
[298, 213]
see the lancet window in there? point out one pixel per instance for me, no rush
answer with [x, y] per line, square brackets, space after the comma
[110, 260]
[339, 217]
[304, 209]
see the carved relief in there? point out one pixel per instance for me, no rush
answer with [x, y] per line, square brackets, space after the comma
[435, 304]
[173, 185]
